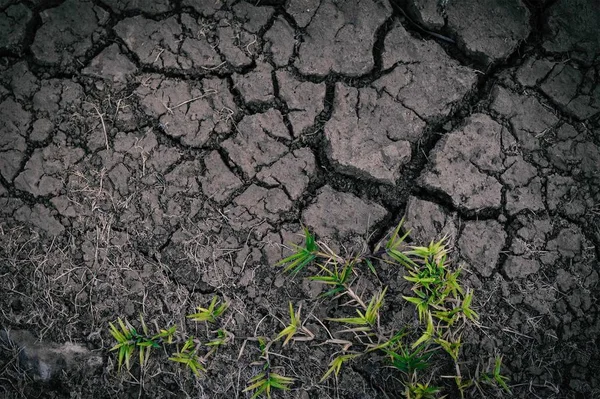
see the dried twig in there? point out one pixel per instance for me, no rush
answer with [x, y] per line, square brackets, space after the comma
[103, 124]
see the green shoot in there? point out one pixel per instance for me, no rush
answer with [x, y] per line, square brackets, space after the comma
[144, 343]
[452, 348]
[496, 376]
[394, 342]
[166, 335]
[265, 381]
[466, 307]
[447, 316]
[128, 339]
[428, 334]
[211, 313]
[430, 279]
[370, 266]
[421, 304]
[393, 247]
[409, 361]
[336, 365]
[462, 385]
[452, 285]
[291, 329]
[303, 255]
[125, 343]
[395, 241]
[263, 345]
[188, 356]
[221, 339]
[368, 319]
[401, 258]
[336, 278]
[421, 391]
[499, 378]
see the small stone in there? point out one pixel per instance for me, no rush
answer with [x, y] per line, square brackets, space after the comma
[256, 85]
[67, 33]
[528, 117]
[574, 29]
[261, 203]
[489, 30]
[428, 221]
[111, 65]
[40, 217]
[253, 148]
[568, 242]
[519, 173]
[565, 280]
[520, 267]
[369, 134]
[341, 214]
[280, 42]
[41, 130]
[254, 18]
[230, 44]
[480, 244]
[305, 100]
[528, 198]
[461, 162]
[533, 71]
[427, 12]
[13, 25]
[340, 37]
[303, 10]
[218, 182]
[293, 172]
[145, 6]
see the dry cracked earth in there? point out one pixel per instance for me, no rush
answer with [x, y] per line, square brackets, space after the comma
[156, 153]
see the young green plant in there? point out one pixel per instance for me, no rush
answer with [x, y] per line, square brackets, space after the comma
[128, 340]
[295, 326]
[211, 313]
[188, 355]
[267, 380]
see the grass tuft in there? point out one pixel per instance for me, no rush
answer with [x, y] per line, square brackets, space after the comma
[210, 314]
[265, 381]
[443, 306]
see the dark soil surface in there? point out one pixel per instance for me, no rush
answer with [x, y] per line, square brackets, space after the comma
[154, 153]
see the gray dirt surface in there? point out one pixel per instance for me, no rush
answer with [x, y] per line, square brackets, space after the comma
[156, 153]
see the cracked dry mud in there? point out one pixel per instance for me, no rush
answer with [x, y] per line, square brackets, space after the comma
[155, 153]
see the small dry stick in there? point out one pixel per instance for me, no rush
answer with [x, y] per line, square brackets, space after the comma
[103, 124]
[208, 93]
[213, 68]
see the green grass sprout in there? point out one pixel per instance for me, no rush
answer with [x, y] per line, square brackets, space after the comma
[444, 308]
[409, 360]
[129, 339]
[125, 343]
[336, 365]
[265, 381]
[466, 307]
[166, 335]
[303, 255]
[188, 355]
[450, 347]
[337, 278]
[368, 318]
[211, 313]
[428, 334]
[222, 338]
[291, 329]
[496, 377]
[421, 391]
